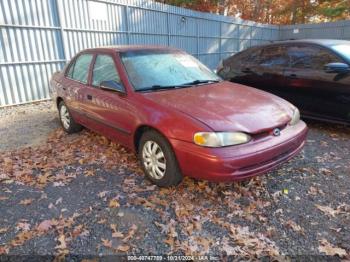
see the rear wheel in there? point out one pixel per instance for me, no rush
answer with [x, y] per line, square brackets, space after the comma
[67, 122]
[158, 160]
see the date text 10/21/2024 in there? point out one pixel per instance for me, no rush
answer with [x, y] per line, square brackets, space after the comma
[172, 258]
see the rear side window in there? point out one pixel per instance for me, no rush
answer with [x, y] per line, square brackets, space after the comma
[80, 69]
[104, 70]
[254, 56]
[274, 56]
[70, 71]
[251, 56]
[311, 57]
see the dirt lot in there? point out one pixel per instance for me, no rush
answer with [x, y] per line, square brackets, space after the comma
[83, 195]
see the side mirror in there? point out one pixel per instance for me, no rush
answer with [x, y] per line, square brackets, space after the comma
[111, 85]
[339, 68]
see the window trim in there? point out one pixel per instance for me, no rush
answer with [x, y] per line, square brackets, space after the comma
[115, 66]
[72, 63]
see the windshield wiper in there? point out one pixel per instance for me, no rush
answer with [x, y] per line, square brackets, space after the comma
[198, 82]
[195, 82]
[158, 87]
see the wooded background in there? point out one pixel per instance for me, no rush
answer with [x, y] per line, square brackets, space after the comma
[281, 12]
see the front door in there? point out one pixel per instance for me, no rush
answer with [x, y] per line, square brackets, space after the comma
[316, 92]
[108, 110]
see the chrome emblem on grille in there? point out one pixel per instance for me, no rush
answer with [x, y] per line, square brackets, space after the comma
[276, 132]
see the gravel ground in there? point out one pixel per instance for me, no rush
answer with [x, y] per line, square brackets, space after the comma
[83, 195]
[26, 125]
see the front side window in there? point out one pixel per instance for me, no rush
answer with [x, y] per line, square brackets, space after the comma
[104, 70]
[310, 57]
[343, 49]
[151, 69]
[80, 70]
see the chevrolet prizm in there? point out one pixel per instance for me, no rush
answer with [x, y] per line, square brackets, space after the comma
[179, 117]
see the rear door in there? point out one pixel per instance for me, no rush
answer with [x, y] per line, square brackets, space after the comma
[312, 89]
[75, 82]
[239, 68]
[264, 69]
[271, 65]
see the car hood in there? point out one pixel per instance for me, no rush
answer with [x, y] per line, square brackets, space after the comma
[226, 106]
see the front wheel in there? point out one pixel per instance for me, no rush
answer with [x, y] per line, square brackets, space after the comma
[158, 160]
[67, 122]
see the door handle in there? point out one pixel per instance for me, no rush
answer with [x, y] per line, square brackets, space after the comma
[293, 76]
[89, 97]
[246, 70]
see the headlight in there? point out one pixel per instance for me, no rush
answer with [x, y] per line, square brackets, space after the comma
[220, 139]
[295, 117]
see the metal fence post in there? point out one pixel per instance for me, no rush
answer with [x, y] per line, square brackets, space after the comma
[250, 35]
[197, 33]
[59, 9]
[238, 39]
[127, 23]
[220, 41]
[168, 26]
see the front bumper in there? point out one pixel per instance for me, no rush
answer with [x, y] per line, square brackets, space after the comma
[242, 161]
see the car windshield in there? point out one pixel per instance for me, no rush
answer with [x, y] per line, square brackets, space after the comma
[343, 49]
[159, 69]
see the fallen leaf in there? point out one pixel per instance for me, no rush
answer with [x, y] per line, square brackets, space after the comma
[23, 226]
[328, 210]
[294, 226]
[115, 232]
[22, 237]
[325, 171]
[170, 241]
[113, 203]
[63, 244]
[102, 194]
[26, 202]
[330, 250]
[45, 226]
[89, 173]
[3, 230]
[106, 242]
[102, 221]
[131, 233]
[123, 248]
[59, 201]
[4, 250]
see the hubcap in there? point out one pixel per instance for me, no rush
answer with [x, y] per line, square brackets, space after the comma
[65, 119]
[154, 160]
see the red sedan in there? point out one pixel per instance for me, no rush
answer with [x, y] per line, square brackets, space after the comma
[178, 116]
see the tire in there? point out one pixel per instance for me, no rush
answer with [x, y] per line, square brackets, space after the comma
[66, 119]
[158, 160]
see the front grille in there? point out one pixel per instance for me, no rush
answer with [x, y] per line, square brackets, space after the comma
[266, 162]
[268, 132]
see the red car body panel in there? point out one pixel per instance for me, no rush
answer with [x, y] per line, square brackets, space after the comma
[178, 114]
[227, 107]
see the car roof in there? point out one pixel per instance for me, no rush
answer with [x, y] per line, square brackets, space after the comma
[125, 48]
[321, 42]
